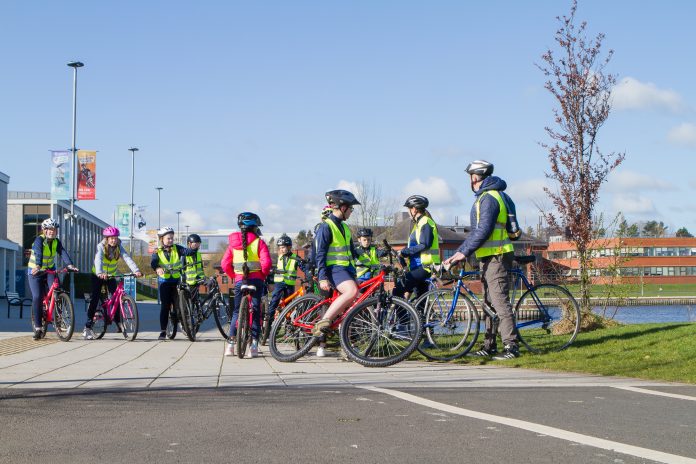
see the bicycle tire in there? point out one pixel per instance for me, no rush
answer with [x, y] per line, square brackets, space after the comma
[98, 325]
[287, 342]
[44, 324]
[540, 334]
[377, 336]
[187, 323]
[243, 327]
[446, 337]
[172, 322]
[222, 315]
[129, 317]
[64, 317]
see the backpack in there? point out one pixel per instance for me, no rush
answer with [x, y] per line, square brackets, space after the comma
[512, 226]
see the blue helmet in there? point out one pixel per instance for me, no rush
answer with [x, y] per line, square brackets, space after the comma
[247, 219]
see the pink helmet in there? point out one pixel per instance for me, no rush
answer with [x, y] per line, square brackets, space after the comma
[111, 231]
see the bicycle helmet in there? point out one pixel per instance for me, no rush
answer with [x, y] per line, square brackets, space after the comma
[326, 212]
[49, 223]
[193, 238]
[247, 219]
[481, 167]
[111, 231]
[341, 197]
[284, 240]
[417, 201]
[365, 233]
[164, 231]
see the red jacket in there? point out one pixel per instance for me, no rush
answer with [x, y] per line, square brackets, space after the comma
[235, 240]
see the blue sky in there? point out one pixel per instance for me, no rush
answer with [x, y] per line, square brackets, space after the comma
[265, 105]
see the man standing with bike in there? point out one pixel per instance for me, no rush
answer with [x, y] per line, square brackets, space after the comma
[489, 242]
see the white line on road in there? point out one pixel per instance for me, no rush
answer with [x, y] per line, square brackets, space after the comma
[657, 393]
[643, 453]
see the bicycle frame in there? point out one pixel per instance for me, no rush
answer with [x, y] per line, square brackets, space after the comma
[49, 301]
[113, 303]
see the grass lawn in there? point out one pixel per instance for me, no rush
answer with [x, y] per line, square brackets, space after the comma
[647, 351]
[635, 290]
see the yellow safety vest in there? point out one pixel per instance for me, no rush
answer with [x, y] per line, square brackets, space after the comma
[173, 261]
[253, 260]
[367, 261]
[109, 266]
[49, 254]
[431, 255]
[339, 248]
[288, 274]
[498, 242]
[194, 268]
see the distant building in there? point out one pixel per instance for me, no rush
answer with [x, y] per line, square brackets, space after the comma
[10, 251]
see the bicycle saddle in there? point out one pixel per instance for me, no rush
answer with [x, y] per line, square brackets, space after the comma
[251, 288]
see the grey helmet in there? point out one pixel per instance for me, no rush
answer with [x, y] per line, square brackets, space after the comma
[480, 167]
[49, 223]
[284, 240]
[164, 231]
[416, 201]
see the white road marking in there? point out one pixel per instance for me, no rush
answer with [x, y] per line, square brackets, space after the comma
[656, 393]
[643, 453]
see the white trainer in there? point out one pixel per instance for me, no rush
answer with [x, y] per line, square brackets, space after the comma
[88, 334]
[229, 349]
[321, 352]
[253, 350]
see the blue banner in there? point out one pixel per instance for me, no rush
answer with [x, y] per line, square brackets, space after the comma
[61, 175]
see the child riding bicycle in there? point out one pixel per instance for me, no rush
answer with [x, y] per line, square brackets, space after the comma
[248, 262]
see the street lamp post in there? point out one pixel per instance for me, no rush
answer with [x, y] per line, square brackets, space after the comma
[132, 203]
[186, 231]
[178, 229]
[159, 205]
[73, 235]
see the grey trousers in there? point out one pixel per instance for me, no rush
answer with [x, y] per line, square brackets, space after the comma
[496, 293]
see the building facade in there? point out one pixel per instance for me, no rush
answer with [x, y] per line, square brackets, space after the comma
[9, 250]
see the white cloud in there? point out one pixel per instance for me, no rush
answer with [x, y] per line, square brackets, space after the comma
[684, 134]
[348, 185]
[631, 94]
[436, 189]
[631, 203]
[530, 190]
[623, 181]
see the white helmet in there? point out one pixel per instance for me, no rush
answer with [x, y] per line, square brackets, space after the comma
[164, 231]
[49, 223]
[481, 167]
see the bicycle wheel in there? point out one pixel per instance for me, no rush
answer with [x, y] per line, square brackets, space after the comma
[64, 317]
[223, 315]
[44, 324]
[547, 318]
[447, 334]
[288, 341]
[98, 325]
[243, 327]
[129, 317]
[172, 323]
[377, 335]
[187, 322]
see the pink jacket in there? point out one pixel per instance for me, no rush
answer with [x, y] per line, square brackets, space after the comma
[235, 240]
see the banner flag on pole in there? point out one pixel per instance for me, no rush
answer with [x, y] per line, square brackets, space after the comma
[87, 175]
[61, 175]
[123, 219]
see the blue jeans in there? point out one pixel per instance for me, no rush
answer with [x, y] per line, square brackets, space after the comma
[255, 302]
[39, 286]
[280, 291]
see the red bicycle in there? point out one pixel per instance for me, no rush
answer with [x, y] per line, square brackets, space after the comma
[56, 308]
[245, 319]
[122, 302]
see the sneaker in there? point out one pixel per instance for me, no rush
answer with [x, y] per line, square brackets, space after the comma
[484, 353]
[321, 352]
[37, 333]
[510, 352]
[253, 351]
[229, 349]
[162, 335]
[321, 327]
[88, 334]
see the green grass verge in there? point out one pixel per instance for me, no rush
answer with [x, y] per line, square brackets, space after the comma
[635, 290]
[648, 351]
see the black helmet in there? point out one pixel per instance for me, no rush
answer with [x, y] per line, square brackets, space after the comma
[417, 201]
[284, 240]
[341, 197]
[481, 167]
[247, 219]
[193, 238]
[365, 232]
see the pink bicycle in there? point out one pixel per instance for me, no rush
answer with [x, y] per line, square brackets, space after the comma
[122, 302]
[56, 308]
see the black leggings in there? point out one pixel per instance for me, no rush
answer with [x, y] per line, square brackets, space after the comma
[96, 296]
[415, 279]
[167, 293]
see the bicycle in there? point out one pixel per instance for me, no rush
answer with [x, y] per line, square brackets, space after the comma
[244, 319]
[195, 311]
[549, 322]
[377, 330]
[56, 308]
[120, 301]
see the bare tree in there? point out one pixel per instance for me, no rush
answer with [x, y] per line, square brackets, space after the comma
[374, 209]
[578, 82]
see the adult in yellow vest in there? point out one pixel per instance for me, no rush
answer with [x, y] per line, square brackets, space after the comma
[367, 258]
[334, 258]
[422, 248]
[167, 261]
[44, 251]
[489, 242]
[106, 259]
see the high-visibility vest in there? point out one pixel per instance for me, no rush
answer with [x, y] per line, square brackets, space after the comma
[339, 248]
[173, 261]
[498, 242]
[367, 260]
[286, 273]
[194, 268]
[49, 254]
[253, 260]
[109, 266]
[432, 254]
